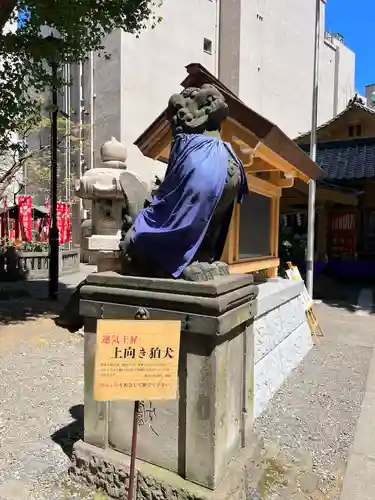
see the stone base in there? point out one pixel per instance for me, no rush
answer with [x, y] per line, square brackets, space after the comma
[17, 265]
[108, 261]
[106, 242]
[282, 337]
[108, 471]
[200, 431]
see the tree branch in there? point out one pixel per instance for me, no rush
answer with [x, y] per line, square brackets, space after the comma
[6, 8]
[7, 177]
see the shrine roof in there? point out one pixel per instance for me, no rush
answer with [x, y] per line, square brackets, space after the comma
[349, 159]
[264, 130]
[355, 104]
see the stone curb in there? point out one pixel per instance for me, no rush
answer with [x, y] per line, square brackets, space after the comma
[108, 470]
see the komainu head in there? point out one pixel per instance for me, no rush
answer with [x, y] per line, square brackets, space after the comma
[197, 110]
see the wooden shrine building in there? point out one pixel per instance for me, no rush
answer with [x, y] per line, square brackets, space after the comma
[273, 163]
[346, 153]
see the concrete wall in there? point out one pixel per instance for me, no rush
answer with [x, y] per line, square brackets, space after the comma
[109, 106]
[370, 89]
[346, 74]
[153, 65]
[277, 61]
[272, 55]
[336, 78]
[276, 71]
[282, 338]
[329, 58]
[129, 84]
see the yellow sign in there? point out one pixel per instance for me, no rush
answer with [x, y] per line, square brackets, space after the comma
[136, 360]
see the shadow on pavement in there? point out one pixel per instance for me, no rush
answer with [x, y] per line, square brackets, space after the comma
[71, 433]
[340, 293]
[28, 300]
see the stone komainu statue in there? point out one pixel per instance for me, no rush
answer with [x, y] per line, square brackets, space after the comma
[182, 229]
[181, 233]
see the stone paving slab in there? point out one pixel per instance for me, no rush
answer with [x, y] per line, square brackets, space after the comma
[359, 480]
[309, 426]
[39, 288]
[316, 412]
[24, 301]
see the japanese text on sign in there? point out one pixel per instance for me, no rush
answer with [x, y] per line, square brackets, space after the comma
[136, 360]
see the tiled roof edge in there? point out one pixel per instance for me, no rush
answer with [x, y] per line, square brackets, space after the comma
[352, 105]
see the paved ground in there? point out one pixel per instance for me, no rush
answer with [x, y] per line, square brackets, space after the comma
[41, 410]
[312, 420]
[20, 301]
[314, 423]
[41, 386]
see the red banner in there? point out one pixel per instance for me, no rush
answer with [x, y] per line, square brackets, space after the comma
[25, 211]
[68, 231]
[342, 238]
[48, 207]
[12, 231]
[4, 221]
[61, 208]
[63, 221]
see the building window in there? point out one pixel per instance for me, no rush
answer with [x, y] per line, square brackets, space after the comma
[355, 130]
[207, 46]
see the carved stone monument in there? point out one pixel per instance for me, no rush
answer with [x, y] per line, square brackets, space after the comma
[172, 238]
[239, 340]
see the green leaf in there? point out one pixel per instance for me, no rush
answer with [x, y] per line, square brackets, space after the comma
[26, 55]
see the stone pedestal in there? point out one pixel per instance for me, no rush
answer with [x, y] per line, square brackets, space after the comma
[239, 342]
[282, 337]
[200, 432]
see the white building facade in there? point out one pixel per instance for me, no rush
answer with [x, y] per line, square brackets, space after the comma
[261, 49]
[370, 95]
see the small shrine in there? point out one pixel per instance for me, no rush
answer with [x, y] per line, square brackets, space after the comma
[345, 234]
[273, 163]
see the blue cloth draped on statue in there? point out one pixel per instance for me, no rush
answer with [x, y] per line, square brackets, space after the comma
[173, 226]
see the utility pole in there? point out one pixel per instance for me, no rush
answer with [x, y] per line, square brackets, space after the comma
[312, 183]
[54, 232]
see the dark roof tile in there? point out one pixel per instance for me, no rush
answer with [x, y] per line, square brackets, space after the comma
[352, 159]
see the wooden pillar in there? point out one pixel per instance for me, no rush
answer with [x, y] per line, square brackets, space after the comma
[230, 252]
[274, 226]
[228, 255]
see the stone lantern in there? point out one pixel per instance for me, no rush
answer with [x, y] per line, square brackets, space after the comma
[102, 186]
[118, 188]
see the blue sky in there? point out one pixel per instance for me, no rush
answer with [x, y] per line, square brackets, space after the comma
[355, 20]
